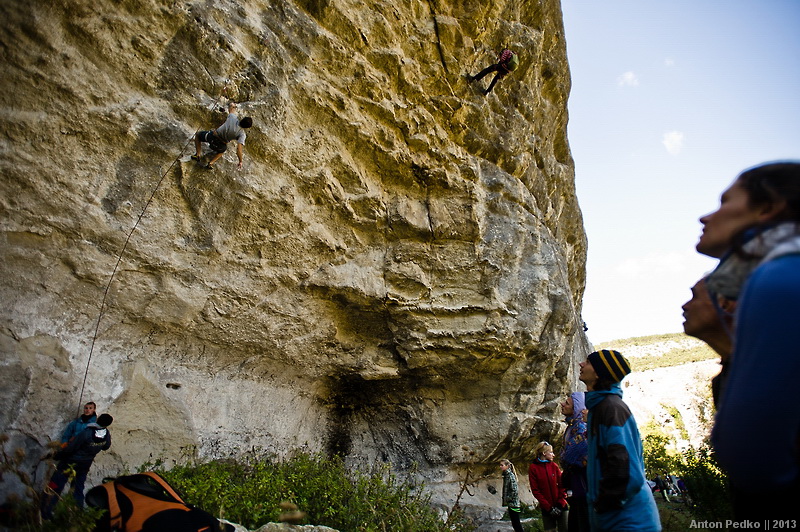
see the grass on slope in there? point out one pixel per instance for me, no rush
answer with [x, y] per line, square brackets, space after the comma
[661, 350]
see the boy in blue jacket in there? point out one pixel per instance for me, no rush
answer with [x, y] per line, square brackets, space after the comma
[618, 496]
[77, 425]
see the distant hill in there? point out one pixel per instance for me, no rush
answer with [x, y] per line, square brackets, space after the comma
[660, 350]
[669, 386]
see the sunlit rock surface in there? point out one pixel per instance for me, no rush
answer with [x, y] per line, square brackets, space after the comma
[396, 274]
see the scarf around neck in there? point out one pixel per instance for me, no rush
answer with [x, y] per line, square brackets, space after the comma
[734, 268]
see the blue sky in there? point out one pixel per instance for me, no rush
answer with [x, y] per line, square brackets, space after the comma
[669, 102]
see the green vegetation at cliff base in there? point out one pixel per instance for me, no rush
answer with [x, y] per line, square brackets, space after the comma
[256, 491]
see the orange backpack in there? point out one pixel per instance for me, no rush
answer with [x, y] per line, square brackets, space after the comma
[145, 502]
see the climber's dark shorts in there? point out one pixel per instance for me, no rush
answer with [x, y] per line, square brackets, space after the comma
[216, 144]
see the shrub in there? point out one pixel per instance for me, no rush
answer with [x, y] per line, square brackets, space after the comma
[707, 484]
[709, 492]
[251, 493]
[23, 513]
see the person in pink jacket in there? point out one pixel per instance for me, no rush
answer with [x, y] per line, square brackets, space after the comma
[507, 62]
[544, 476]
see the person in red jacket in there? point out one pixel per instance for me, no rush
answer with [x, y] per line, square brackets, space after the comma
[545, 478]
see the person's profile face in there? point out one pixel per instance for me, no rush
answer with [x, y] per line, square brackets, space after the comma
[568, 406]
[734, 215]
[588, 376]
[699, 314]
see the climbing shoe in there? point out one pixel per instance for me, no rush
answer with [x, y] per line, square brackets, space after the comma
[195, 158]
[209, 167]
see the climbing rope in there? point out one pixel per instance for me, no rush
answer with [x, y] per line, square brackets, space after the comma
[125, 246]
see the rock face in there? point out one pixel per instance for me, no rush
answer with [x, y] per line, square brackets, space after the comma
[396, 274]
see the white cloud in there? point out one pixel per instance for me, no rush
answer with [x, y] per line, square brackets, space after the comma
[628, 79]
[669, 62]
[673, 142]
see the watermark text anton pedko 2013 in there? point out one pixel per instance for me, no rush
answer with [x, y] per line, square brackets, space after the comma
[729, 524]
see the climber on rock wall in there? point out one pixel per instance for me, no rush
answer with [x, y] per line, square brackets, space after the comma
[507, 62]
[218, 139]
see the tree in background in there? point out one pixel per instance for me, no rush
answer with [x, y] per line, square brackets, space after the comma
[707, 485]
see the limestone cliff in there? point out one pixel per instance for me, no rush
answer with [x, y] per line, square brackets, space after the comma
[396, 274]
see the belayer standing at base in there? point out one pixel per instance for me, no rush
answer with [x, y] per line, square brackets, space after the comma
[77, 425]
[76, 458]
[507, 62]
[218, 139]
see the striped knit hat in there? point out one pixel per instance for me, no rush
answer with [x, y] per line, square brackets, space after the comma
[609, 365]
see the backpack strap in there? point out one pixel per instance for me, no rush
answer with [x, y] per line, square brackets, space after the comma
[163, 483]
[114, 511]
